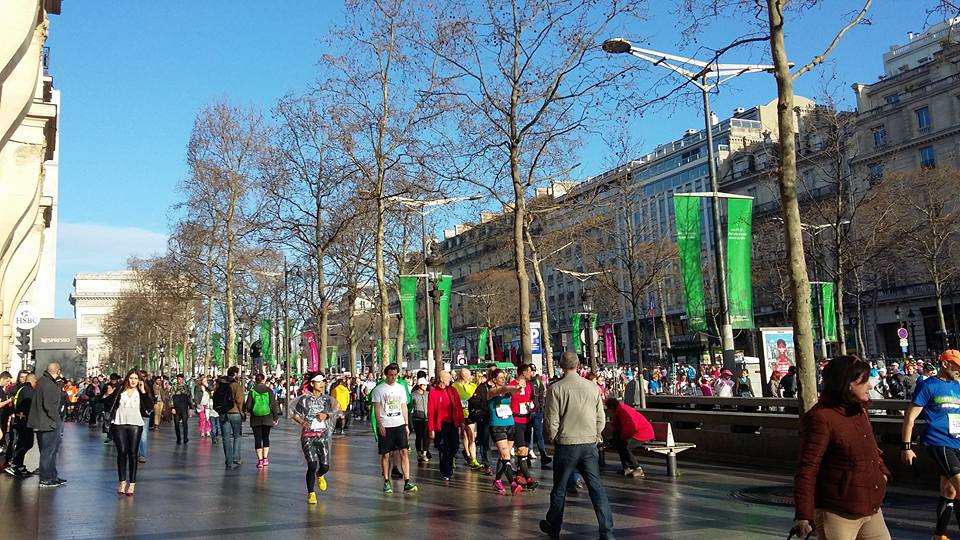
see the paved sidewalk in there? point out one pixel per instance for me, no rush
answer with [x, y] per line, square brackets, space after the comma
[184, 492]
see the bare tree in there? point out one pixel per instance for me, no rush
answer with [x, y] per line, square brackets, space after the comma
[527, 78]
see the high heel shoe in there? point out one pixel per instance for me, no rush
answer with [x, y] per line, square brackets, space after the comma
[123, 488]
[130, 488]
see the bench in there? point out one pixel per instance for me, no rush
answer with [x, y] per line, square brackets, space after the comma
[665, 444]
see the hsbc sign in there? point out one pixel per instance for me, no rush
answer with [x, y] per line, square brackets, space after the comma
[26, 318]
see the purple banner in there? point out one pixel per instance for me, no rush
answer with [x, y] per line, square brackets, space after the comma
[312, 348]
[610, 340]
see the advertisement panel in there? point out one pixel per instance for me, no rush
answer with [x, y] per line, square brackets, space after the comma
[778, 350]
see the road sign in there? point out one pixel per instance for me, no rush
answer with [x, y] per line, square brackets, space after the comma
[26, 318]
[903, 343]
[902, 333]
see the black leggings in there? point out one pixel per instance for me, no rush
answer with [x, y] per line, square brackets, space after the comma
[261, 436]
[127, 439]
[315, 469]
[420, 428]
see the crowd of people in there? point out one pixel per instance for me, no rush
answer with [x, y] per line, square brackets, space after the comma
[497, 423]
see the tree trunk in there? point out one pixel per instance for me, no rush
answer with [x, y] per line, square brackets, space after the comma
[636, 321]
[787, 175]
[938, 293]
[519, 255]
[545, 344]
[231, 359]
[208, 336]
[382, 280]
[351, 330]
[663, 315]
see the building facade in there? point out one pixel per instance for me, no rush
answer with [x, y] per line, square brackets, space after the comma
[28, 137]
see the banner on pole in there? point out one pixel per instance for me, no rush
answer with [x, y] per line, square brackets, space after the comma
[408, 309]
[445, 284]
[577, 344]
[332, 359]
[739, 275]
[482, 343]
[828, 301]
[266, 352]
[314, 353]
[610, 342]
[687, 210]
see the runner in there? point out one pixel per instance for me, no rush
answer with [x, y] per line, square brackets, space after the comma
[502, 428]
[389, 400]
[522, 405]
[314, 411]
[465, 388]
[937, 400]
[480, 412]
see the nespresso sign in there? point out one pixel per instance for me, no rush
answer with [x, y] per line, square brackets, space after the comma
[54, 334]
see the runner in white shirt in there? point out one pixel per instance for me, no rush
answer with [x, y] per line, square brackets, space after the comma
[393, 427]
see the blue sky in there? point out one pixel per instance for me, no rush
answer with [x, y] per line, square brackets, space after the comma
[134, 74]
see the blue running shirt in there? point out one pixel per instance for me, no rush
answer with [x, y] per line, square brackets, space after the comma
[940, 400]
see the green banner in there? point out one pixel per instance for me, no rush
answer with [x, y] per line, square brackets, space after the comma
[739, 275]
[391, 353]
[180, 358]
[408, 309]
[217, 349]
[445, 284]
[153, 363]
[266, 351]
[332, 358]
[577, 345]
[687, 211]
[828, 301]
[482, 343]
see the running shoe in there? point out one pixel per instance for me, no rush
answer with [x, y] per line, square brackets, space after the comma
[532, 484]
[446, 478]
[487, 471]
[410, 487]
[259, 463]
[311, 498]
[498, 485]
[322, 483]
[387, 487]
[476, 465]
[11, 470]
[515, 488]
[519, 480]
[266, 462]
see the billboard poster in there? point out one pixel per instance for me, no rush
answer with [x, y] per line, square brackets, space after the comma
[778, 350]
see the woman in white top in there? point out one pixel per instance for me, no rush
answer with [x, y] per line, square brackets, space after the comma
[129, 409]
[204, 405]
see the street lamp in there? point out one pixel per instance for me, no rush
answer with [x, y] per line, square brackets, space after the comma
[913, 337]
[434, 260]
[706, 77]
[586, 299]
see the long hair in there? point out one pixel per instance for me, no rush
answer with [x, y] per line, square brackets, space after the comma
[126, 380]
[837, 376]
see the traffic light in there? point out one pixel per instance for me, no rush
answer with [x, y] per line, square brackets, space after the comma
[23, 342]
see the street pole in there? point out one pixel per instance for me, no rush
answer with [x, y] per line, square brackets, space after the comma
[426, 289]
[437, 343]
[726, 329]
[286, 338]
[591, 348]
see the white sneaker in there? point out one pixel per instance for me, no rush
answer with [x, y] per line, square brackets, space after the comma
[533, 455]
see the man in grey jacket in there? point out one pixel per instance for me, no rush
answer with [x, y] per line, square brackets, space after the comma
[574, 423]
[45, 420]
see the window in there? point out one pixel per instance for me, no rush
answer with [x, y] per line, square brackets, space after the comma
[893, 99]
[876, 171]
[923, 119]
[928, 159]
[879, 136]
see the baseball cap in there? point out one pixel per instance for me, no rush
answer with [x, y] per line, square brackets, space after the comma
[317, 378]
[950, 355]
[423, 381]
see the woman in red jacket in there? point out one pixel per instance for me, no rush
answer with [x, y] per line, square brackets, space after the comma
[840, 479]
[445, 422]
[627, 425]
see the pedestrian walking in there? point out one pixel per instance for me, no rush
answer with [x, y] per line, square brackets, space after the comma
[840, 479]
[130, 406]
[228, 402]
[46, 422]
[262, 407]
[445, 422]
[202, 398]
[183, 404]
[574, 422]
[418, 416]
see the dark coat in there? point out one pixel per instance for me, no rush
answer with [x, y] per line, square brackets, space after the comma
[45, 406]
[840, 468]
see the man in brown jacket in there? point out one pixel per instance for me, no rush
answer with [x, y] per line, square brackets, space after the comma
[231, 422]
[574, 422]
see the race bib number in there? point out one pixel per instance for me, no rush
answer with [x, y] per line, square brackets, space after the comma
[526, 407]
[953, 422]
[503, 411]
[392, 408]
[464, 403]
[318, 425]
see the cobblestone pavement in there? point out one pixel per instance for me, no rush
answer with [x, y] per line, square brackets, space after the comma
[184, 492]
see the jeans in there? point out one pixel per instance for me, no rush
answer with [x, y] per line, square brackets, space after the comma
[230, 426]
[142, 447]
[583, 458]
[214, 426]
[447, 441]
[536, 431]
[49, 445]
[420, 429]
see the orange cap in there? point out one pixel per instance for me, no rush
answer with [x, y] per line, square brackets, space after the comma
[950, 355]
